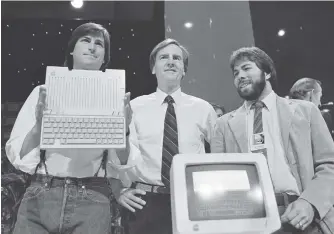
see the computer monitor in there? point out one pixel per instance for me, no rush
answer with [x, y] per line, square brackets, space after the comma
[222, 193]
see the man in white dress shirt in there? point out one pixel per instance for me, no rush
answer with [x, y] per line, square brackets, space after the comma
[69, 190]
[163, 124]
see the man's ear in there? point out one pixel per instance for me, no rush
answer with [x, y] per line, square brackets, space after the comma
[153, 70]
[267, 76]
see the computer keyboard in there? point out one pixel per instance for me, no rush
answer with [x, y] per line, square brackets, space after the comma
[85, 109]
[83, 132]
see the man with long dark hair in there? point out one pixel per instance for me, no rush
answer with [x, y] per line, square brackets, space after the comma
[69, 190]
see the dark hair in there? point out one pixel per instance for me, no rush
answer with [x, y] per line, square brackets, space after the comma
[84, 30]
[165, 43]
[302, 86]
[260, 58]
[216, 106]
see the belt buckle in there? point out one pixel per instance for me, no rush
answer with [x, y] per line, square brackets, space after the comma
[144, 187]
[162, 189]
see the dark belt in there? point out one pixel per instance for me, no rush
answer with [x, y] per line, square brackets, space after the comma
[55, 181]
[151, 188]
[284, 199]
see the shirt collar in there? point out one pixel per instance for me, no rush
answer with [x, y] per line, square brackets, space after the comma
[269, 101]
[162, 95]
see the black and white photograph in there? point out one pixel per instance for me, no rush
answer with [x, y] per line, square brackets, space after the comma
[167, 117]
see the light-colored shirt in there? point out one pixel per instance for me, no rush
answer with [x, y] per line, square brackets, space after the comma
[195, 122]
[60, 162]
[282, 178]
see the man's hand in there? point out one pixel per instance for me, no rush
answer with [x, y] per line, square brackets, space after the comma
[127, 110]
[41, 104]
[299, 214]
[128, 199]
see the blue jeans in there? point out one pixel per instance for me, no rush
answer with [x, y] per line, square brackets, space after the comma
[64, 206]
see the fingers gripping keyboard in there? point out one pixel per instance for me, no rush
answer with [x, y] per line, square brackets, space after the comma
[85, 109]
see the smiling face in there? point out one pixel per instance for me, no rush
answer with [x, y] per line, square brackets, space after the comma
[249, 80]
[88, 52]
[169, 66]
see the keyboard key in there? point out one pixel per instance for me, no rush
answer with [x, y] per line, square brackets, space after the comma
[48, 135]
[47, 125]
[48, 130]
[81, 141]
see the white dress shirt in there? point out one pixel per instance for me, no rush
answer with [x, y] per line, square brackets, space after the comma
[282, 178]
[195, 122]
[60, 162]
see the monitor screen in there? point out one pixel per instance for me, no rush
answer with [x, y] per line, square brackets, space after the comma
[223, 192]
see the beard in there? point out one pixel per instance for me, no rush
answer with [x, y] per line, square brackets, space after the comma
[254, 91]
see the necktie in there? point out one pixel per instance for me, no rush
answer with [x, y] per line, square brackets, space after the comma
[258, 124]
[170, 141]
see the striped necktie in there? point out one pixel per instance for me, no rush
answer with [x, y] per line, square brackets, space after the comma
[170, 141]
[258, 124]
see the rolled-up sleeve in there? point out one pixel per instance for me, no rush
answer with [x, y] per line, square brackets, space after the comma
[25, 121]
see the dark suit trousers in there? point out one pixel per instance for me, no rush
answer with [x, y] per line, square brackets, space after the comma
[154, 218]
